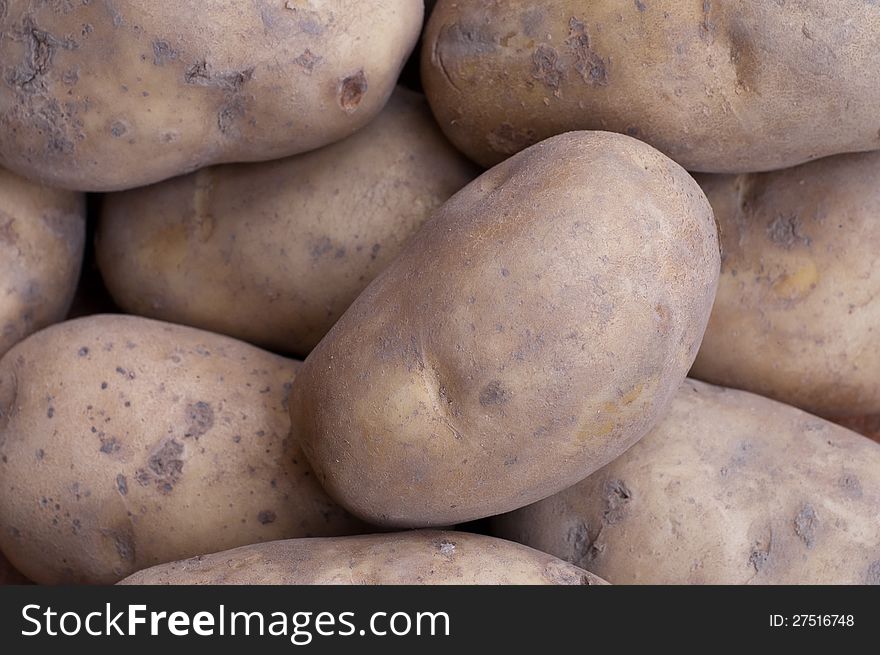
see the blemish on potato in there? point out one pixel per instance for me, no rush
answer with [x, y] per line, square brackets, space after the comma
[805, 525]
[592, 68]
[873, 577]
[164, 467]
[122, 484]
[446, 548]
[616, 497]
[352, 90]
[199, 419]
[308, 60]
[547, 68]
[785, 231]
[494, 394]
[266, 517]
[163, 53]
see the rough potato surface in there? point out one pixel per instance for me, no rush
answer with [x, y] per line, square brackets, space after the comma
[719, 86]
[730, 488]
[125, 443]
[116, 94]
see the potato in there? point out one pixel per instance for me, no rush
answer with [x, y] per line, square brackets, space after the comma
[730, 488]
[798, 307]
[274, 253]
[102, 96]
[721, 87]
[407, 558]
[534, 328]
[126, 443]
[42, 235]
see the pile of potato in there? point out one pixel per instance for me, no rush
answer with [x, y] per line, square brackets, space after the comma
[312, 326]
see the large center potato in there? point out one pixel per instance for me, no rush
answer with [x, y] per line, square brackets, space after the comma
[42, 237]
[720, 86]
[407, 558]
[125, 443]
[111, 94]
[274, 253]
[532, 330]
[730, 488]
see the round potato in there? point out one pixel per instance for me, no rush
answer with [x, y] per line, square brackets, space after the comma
[721, 87]
[797, 317]
[102, 96]
[274, 253]
[534, 328]
[125, 443]
[422, 557]
[730, 488]
[42, 236]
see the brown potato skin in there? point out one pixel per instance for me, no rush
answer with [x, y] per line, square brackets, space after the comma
[531, 331]
[103, 96]
[125, 443]
[274, 253]
[720, 87]
[798, 307]
[423, 557]
[730, 488]
[42, 237]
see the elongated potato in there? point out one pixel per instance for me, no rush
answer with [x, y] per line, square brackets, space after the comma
[125, 443]
[730, 488]
[534, 328]
[721, 87]
[42, 235]
[274, 253]
[797, 317]
[407, 558]
[109, 95]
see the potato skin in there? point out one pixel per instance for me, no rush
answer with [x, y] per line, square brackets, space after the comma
[730, 488]
[125, 443]
[42, 236]
[423, 557]
[274, 253]
[531, 331]
[102, 96]
[867, 425]
[721, 87]
[8, 574]
[798, 303]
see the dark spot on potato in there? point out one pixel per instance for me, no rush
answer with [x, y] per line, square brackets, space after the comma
[164, 467]
[805, 524]
[707, 27]
[785, 231]
[615, 499]
[126, 374]
[641, 6]
[308, 60]
[494, 394]
[320, 247]
[103, 385]
[118, 129]
[199, 419]
[592, 68]
[266, 517]
[163, 53]
[109, 445]
[83, 352]
[547, 68]
[122, 484]
[351, 91]
[124, 546]
[40, 454]
[851, 485]
[50, 412]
